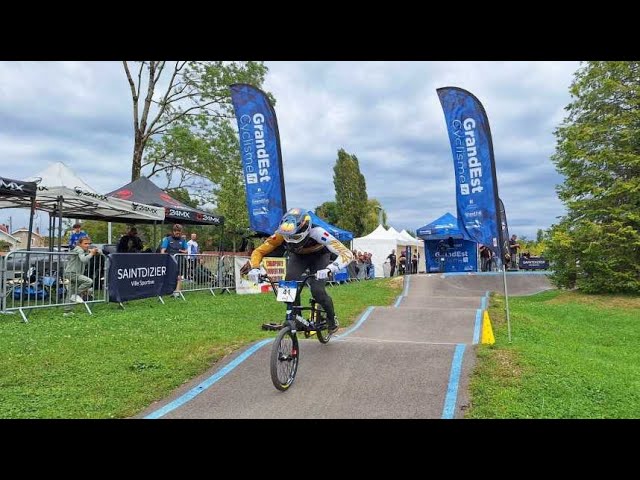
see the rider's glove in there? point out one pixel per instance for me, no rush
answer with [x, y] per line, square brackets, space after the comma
[254, 275]
[333, 268]
[322, 274]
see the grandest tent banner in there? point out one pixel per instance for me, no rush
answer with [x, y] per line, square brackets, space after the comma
[474, 166]
[261, 157]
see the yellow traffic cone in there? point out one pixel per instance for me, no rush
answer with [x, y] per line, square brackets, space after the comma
[487, 331]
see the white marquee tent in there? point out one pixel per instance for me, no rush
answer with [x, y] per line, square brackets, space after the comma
[60, 190]
[381, 242]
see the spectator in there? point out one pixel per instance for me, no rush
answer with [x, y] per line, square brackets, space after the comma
[414, 263]
[442, 253]
[192, 246]
[402, 264]
[173, 245]
[485, 258]
[392, 262]
[130, 243]
[74, 271]
[76, 234]
[193, 249]
[513, 251]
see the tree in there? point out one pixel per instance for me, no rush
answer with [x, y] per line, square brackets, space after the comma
[539, 235]
[231, 201]
[372, 218]
[328, 211]
[351, 193]
[182, 104]
[597, 244]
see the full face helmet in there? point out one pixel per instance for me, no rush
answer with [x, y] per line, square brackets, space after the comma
[295, 225]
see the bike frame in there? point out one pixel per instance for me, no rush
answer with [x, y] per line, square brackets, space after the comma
[294, 316]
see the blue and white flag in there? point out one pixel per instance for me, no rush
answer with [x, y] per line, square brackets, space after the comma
[261, 157]
[474, 167]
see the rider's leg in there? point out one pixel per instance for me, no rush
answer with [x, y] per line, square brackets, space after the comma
[318, 287]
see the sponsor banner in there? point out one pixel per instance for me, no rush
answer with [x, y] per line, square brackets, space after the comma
[533, 263]
[474, 167]
[261, 157]
[10, 187]
[275, 267]
[141, 275]
[193, 216]
[463, 257]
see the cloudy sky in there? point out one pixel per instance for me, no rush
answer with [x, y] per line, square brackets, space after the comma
[386, 113]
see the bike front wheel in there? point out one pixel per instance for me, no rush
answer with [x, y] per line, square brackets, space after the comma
[284, 359]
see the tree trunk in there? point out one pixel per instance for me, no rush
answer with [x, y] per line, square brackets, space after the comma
[136, 164]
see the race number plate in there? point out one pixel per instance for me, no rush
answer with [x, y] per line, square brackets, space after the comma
[287, 291]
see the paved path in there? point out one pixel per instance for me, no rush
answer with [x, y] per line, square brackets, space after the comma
[411, 360]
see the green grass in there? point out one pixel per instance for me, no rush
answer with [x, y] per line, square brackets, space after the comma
[115, 363]
[572, 356]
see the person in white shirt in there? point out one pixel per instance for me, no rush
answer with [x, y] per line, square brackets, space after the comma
[192, 246]
[192, 251]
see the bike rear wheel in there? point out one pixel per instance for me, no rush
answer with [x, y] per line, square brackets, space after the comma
[284, 359]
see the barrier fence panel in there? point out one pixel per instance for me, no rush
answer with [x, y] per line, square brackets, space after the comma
[205, 271]
[47, 284]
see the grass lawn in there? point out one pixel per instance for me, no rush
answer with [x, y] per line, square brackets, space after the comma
[115, 363]
[572, 356]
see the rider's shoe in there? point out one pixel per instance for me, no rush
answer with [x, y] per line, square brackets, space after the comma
[333, 329]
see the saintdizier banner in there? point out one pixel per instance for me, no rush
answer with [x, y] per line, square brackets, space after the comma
[141, 275]
[261, 157]
[474, 166]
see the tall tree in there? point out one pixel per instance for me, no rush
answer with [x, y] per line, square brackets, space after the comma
[328, 211]
[372, 219]
[178, 108]
[598, 152]
[231, 201]
[351, 193]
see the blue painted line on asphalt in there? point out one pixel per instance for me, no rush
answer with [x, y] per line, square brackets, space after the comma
[363, 318]
[518, 272]
[451, 398]
[209, 381]
[405, 292]
[483, 303]
[476, 328]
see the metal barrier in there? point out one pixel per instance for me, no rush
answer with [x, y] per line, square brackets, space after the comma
[205, 271]
[37, 279]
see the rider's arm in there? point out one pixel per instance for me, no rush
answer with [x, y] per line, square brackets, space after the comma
[343, 254]
[270, 244]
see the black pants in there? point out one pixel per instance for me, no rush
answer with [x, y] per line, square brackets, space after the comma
[393, 269]
[296, 266]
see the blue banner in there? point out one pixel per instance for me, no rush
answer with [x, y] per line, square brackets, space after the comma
[141, 275]
[261, 157]
[474, 167]
[462, 257]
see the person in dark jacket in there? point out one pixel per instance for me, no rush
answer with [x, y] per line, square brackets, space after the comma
[130, 243]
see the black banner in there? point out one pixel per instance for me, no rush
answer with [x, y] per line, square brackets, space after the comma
[17, 188]
[533, 263]
[141, 275]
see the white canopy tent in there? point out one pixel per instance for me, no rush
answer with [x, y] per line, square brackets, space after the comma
[62, 193]
[59, 188]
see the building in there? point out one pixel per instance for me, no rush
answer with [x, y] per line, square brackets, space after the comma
[36, 238]
[5, 236]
